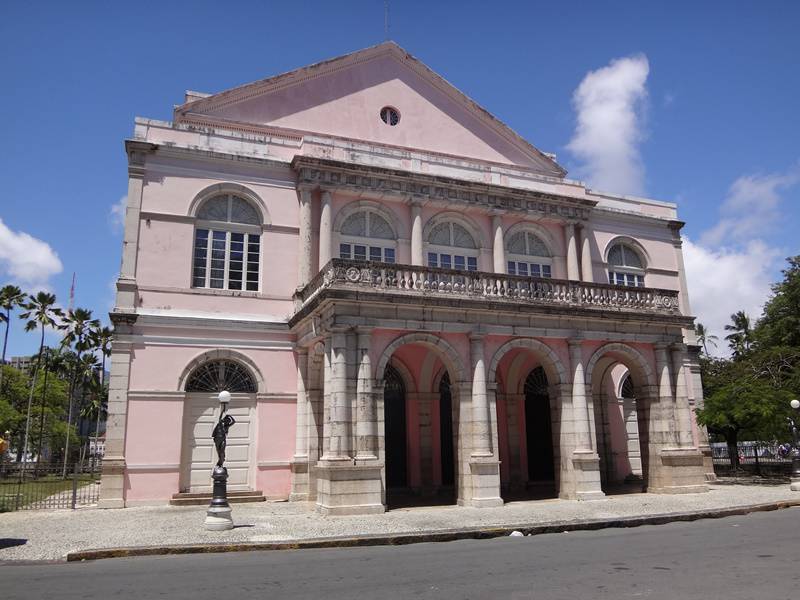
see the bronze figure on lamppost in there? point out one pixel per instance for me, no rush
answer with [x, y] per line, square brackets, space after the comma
[218, 515]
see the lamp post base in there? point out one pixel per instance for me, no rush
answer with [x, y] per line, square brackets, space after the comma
[218, 515]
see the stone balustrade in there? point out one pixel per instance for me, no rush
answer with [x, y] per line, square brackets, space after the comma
[431, 281]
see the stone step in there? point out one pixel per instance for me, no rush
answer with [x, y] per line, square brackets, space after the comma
[203, 498]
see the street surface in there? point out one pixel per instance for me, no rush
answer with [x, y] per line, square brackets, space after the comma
[749, 557]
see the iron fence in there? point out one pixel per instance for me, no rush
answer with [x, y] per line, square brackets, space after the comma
[32, 486]
[759, 458]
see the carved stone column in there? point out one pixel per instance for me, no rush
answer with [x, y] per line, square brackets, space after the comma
[417, 255]
[585, 461]
[498, 249]
[367, 417]
[299, 464]
[682, 409]
[325, 229]
[339, 443]
[304, 251]
[573, 270]
[666, 396]
[587, 273]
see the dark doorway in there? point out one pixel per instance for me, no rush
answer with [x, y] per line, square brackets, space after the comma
[538, 429]
[394, 412]
[446, 432]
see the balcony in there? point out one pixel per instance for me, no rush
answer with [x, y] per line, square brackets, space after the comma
[361, 280]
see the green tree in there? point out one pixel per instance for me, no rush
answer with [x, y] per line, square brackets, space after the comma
[780, 324]
[704, 337]
[741, 336]
[102, 338]
[52, 363]
[10, 298]
[41, 313]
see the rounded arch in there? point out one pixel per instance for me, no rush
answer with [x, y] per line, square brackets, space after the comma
[448, 354]
[236, 190]
[405, 374]
[553, 367]
[222, 354]
[632, 358]
[632, 243]
[539, 231]
[351, 208]
[452, 216]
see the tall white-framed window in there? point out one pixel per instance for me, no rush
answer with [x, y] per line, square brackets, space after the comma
[528, 255]
[451, 246]
[625, 266]
[227, 244]
[366, 235]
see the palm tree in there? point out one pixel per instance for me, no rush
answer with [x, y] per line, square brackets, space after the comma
[78, 325]
[53, 362]
[89, 381]
[741, 335]
[10, 298]
[704, 337]
[102, 338]
[40, 313]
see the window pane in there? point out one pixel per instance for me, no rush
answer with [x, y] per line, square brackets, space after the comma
[199, 272]
[444, 261]
[546, 271]
[235, 285]
[375, 253]
[237, 237]
[344, 251]
[523, 270]
[433, 259]
[359, 252]
[216, 284]
[252, 286]
[199, 282]
[512, 267]
[472, 263]
[536, 271]
[459, 262]
[200, 254]
[388, 255]
[640, 280]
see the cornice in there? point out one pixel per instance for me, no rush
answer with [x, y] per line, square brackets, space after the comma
[137, 152]
[324, 173]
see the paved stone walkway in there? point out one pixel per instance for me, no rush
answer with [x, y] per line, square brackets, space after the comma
[50, 535]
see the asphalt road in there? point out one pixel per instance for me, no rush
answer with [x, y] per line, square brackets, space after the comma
[750, 557]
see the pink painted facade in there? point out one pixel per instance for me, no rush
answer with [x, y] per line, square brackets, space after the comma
[405, 298]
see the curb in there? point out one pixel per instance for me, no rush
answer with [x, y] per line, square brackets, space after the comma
[442, 535]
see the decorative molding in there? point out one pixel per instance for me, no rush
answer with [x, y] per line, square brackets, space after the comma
[211, 292]
[153, 467]
[405, 185]
[274, 464]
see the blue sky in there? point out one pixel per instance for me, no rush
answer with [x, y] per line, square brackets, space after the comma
[707, 91]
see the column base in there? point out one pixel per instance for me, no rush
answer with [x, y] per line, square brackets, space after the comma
[586, 471]
[485, 482]
[218, 518]
[678, 471]
[112, 484]
[300, 479]
[344, 488]
[708, 463]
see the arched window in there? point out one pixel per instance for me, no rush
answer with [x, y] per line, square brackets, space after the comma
[625, 266]
[366, 235]
[528, 255]
[626, 389]
[451, 246]
[218, 375]
[227, 244]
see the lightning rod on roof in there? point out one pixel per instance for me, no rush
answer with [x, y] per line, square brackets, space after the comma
[386, 20]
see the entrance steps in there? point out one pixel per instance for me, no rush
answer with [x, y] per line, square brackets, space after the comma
[203, 498]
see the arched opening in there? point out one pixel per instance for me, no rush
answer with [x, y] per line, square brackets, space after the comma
[201, 411]
[394, 406]
[446, 446]
[539, 434]
[620, 398]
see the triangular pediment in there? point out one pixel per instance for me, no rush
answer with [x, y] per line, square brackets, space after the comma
[343, 97]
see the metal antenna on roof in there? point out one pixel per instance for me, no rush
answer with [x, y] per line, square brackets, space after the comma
[386, 20]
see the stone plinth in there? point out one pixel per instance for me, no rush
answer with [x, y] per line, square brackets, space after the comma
[678, 471]
[347, 489]
[586, 471]
[300, 482]
[485, 482]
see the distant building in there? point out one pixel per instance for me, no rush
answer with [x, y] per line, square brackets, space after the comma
[23, 363]
[402, 295]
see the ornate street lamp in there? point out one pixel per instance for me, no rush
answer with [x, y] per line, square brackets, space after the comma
[795, 477]
[218, 515]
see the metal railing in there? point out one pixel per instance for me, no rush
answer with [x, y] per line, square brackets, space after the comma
[759, 458]
[432, 281]
[31, 486]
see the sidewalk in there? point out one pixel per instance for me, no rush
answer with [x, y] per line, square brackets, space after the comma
[51, 535]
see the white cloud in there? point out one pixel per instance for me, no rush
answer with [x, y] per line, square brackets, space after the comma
[751, 207]
[609, 103]
[116, 215]
[723, 281]
[27, 261]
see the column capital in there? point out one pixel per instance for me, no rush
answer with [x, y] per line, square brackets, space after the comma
[326, 194]
[660, 346]
[679, 347]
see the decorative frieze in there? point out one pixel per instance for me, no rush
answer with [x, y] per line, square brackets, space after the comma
[360, 179]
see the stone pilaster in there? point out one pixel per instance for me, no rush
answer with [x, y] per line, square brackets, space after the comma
[304, 251]
[300, 462]
[573, 270]
[325, 229]
[367, 408]
[340, 418]
[417, 254]
[682, 409]
[587, 271]
[498, 247]
[585, 461]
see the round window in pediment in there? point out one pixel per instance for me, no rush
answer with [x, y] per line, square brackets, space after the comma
[390, 116]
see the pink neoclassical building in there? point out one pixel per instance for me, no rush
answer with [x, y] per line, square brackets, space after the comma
[406, 300]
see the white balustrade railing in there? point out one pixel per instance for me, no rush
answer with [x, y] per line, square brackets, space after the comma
[424, 281]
